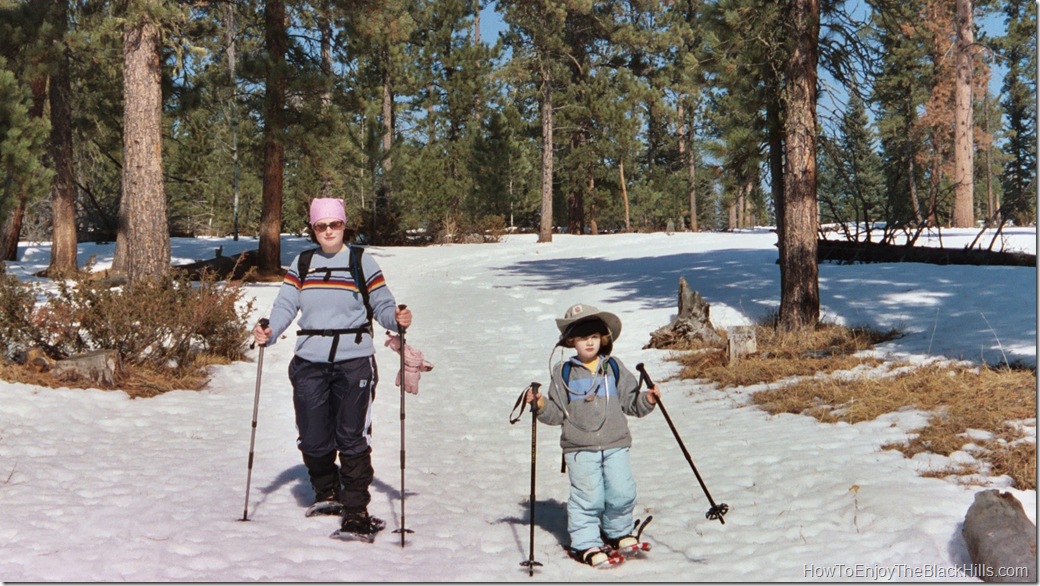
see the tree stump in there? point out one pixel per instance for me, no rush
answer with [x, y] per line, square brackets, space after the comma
[691, 324]
[100, 367]
[1001, 539]
[740, 341]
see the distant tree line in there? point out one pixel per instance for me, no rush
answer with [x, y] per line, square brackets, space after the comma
[135, 120]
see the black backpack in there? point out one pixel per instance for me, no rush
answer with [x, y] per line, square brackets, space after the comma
[357, 271]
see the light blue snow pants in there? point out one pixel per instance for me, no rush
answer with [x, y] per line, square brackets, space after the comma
[603, 494]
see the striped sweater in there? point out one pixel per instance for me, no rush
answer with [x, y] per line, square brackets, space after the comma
[335, 303]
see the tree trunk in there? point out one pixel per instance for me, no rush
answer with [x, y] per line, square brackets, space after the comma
[478, 104]
[687, 153]
[992, 201]
[576, 202]
[11, 231]
[545, 229]
[385, 192]
[63, 191]
[933, 196]
[593, 225]
[775, 127]
[276, 42]
[912, 189]
[232, 55]
[325, 26]
[624, 194]
[963, 144]
[800, 287]
[144, 198]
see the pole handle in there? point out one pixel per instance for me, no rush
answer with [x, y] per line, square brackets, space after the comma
[264, 322]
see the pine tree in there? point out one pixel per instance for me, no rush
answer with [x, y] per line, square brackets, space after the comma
[63, 196]
[852, 178]
[23, 128]
[1018, 48]
[536, 37]
[23, 178]
[799, 272]
[963, 144]
[276, 44]
[900, 90]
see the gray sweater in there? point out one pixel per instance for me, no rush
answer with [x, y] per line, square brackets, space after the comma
[332, 304]
[592, 408]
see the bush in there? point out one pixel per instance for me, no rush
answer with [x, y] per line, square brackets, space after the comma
[168, 327]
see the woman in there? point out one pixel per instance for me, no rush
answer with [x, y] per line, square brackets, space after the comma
[333, 371]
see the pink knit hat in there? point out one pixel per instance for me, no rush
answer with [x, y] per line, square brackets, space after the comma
[327, 207]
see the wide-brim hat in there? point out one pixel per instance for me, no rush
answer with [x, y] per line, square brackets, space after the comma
[582, 312]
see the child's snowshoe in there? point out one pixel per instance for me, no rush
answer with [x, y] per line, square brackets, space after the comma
[628, 545]
[597, 557]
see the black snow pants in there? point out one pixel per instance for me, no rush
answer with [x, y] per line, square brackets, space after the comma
[333, 403]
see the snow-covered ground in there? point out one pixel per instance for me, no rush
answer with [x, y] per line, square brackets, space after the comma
[95, 486]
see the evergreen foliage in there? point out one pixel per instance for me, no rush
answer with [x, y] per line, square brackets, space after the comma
[659, 110]
[22, 137]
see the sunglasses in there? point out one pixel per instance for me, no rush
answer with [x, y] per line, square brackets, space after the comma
[337, 225]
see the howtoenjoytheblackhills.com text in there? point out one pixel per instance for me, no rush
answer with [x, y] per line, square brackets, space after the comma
[901, 572]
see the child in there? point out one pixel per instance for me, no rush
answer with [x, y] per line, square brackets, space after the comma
[590, 402]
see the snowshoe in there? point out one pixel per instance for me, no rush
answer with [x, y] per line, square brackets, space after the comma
[597, 557]
[359, 526]
[324, 508]
[629, 545]
[326, 502]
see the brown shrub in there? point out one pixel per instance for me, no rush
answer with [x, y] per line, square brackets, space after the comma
[165, 330]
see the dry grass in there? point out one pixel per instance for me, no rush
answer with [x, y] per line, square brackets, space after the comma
[959, 398]
[827, 348]
[137, 382]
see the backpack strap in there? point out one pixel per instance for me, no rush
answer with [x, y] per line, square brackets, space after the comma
[357, 271]
[610, 360]
[303, 265]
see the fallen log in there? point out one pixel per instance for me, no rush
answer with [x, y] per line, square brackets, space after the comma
[852, 252]
[236, 267]
[1001, 539]
[100, 368]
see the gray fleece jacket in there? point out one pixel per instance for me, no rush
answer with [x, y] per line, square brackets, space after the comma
[591, 407]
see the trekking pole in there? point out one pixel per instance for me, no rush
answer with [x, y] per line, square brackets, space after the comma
[256, 407]
[716, 511]
[530, 563]
[402, 530]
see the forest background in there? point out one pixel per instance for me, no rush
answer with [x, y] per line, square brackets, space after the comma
[135, 120]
